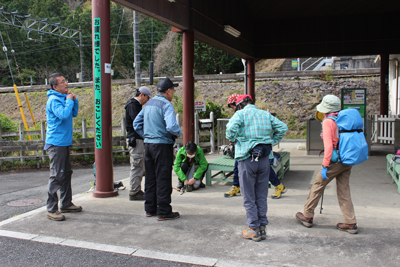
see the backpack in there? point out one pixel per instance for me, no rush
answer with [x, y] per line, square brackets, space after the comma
[352, 148]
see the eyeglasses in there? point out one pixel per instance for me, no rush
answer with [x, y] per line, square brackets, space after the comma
[63, 81]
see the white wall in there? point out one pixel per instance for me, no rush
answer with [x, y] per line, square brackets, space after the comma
[394, 84]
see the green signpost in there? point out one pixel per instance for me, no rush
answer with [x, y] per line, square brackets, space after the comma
[355, 98]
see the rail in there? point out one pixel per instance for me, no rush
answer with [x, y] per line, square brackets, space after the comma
[211, 77]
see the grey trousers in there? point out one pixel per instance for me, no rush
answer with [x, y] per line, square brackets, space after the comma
[254, 182]
[136, 174]
[60, 178]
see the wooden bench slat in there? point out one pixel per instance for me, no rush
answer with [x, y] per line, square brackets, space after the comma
[226, 164]
[395, 171]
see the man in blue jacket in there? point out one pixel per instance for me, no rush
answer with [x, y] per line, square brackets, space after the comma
[61, 106]
[157, 124]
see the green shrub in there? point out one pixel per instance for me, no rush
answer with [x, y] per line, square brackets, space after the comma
[8, 125]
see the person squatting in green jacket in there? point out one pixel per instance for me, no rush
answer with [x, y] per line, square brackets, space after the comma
[190, 166]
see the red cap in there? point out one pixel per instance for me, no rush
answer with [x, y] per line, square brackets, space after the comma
[232, 99]
[241, 98]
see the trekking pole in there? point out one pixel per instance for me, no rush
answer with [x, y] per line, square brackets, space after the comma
[322, 200]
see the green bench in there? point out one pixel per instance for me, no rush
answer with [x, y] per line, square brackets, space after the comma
[395, 172]
[223, 166]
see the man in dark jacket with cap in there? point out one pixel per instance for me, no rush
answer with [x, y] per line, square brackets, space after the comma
[135, 142]
[157, 124]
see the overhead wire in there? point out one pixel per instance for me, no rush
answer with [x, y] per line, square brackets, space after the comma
[5, 51]
[123, 13]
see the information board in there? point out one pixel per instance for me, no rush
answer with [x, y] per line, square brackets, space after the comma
[199, 105]
[355, 98]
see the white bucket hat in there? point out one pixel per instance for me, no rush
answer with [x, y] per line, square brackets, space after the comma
[330, 103]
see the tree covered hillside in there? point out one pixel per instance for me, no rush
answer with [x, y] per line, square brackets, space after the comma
[41, 55]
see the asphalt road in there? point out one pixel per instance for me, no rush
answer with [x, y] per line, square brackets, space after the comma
[17, 252]
[33, 185]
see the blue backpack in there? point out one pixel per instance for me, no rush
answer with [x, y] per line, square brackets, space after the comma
[352, 148]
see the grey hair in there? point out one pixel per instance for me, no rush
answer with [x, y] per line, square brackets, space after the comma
[53, 79]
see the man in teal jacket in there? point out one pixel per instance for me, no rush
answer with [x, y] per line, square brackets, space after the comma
[188, 158]
[62, 105]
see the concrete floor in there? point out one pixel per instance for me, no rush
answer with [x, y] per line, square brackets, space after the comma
[209, 230]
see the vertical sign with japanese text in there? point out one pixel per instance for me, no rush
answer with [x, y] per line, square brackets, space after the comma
[97, 83]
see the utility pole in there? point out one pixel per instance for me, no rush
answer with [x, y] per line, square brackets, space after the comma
[81, 50]
[136, 50]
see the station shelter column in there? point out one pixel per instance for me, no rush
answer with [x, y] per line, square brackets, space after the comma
[188, 85]
[384, 97]
[251, 78]
[102, 99]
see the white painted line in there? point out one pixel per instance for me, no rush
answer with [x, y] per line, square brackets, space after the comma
[175, 257]
[18, 235]
[222, 263]
[96, 246]
[48, 239]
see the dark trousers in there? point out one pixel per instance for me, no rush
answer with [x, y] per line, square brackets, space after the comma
[185, 167]
[60, 178]
[273, 178]
[158, 179]
[236, 175]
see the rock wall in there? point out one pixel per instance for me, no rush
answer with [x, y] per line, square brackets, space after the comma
[293, 101]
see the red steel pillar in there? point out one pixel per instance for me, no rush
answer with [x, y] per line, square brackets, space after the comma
[188, 85]
[102, 99]
[384, 98]
[251, 78]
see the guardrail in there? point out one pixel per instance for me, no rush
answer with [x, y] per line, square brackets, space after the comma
[84, 143]
[22, 146]
[211, 77]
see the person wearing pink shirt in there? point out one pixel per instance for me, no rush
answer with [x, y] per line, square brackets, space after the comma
[330, 106]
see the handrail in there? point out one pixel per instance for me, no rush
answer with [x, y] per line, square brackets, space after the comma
[301, 65]
[314, 63]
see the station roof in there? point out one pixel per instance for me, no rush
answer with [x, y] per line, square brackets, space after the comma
[284, 28]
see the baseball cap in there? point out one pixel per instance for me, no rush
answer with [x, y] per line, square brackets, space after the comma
[145, 90]
[164, 84]
[241, 98]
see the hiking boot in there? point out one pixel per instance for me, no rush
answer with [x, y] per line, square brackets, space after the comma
[189, 188]
[138, 196]
[350, 228]
[169, 216]
[307, 222]
[235, 191]
[263, 232]
[71, 208]
[202, 185]
[55, 216]
[253, 234]
[150, 214]
[279, 191]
